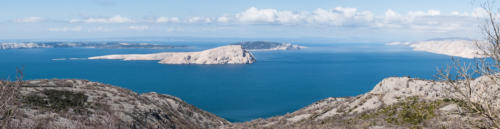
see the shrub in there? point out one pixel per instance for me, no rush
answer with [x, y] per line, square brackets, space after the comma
[57, 99]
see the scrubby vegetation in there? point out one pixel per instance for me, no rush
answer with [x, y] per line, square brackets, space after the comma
[56, 99]
[410, 111]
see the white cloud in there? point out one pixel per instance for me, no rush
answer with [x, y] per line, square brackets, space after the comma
[223, 19]
[427, 20]
[167, 19]
[138, 28]
[199, 20]
[28, 20]
[337, 16]
[254, 15]
[113, 19]
[66, 29]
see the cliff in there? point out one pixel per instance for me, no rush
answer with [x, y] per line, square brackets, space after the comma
[459, 47]
[231, 54]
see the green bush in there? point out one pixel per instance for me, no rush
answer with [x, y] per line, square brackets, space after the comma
[57, 99]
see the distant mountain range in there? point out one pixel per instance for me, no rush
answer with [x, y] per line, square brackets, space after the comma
[266, 46]
[109, 45]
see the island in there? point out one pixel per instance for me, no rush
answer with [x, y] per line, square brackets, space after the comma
[230, 54]
[267, 46]
[107, 45]
[451, 47]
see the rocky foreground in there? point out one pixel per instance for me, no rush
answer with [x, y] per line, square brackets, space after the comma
[396, 102]
[230, 54]
[77, 104]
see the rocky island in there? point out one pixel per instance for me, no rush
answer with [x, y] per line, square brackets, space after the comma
[451, 47]
[230, 54]
[268, 46]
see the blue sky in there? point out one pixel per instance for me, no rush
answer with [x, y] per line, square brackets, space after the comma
[339, 20]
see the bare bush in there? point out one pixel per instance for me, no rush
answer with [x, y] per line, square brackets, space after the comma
[479, 94]
[9, 101]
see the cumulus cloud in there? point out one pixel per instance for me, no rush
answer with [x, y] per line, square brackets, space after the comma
[66, 29]
[337, 16]
[199, 20]
[113, 19]
[138, 28]
[32, 19]
[426, 20]
[167, 19]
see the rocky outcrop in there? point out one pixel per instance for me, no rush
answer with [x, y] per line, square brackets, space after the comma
[231, 54]
[393, 103]
[268, 46]
[75, 104]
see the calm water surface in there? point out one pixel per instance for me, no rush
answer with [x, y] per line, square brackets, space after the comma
[279, 82]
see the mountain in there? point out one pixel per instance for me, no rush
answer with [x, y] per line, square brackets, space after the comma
[267, 46]
[230, 54]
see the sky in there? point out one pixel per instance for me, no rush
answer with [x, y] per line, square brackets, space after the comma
[336, 20]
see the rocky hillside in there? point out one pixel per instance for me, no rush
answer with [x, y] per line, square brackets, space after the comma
[397, 102]
[66, 104]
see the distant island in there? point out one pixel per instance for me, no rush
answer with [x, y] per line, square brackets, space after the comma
[108, 45]
[451, 47]
[230, 54]
[267, 46]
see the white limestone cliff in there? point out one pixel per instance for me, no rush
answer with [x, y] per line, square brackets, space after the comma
[458, 48]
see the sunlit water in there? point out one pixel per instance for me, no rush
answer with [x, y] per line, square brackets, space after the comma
[279, 82]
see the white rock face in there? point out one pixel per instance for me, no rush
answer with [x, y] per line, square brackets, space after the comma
[459, 48]
[231, 54]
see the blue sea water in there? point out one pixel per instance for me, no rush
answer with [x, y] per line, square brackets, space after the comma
[279, 82]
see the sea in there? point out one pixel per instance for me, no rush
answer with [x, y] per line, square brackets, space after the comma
[279, 82]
